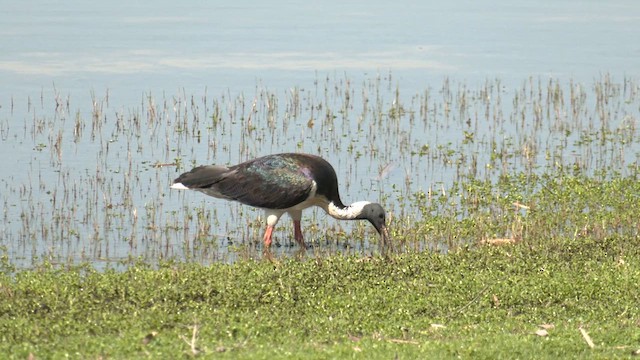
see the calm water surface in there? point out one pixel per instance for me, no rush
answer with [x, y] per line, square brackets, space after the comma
[95, 96]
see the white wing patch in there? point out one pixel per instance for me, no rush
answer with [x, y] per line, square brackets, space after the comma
[179, 186]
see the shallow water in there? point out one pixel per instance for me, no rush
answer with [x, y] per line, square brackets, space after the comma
[101, 107]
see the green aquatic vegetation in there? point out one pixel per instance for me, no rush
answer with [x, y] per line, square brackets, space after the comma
[521, 207]
[104, 196]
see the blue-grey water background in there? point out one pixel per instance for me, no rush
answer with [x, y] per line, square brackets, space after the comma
[63, 62]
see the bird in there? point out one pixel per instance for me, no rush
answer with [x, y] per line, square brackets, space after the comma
[279, 184]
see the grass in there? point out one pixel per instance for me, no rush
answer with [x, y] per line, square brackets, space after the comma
[569, 279]
[486, 302]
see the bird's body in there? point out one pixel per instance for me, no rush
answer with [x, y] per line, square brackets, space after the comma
[279, 184]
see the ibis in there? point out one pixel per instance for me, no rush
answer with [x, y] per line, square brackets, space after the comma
[279, 184]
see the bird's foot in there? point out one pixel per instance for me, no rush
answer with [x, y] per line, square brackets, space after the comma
[300, 253]
[268, 255]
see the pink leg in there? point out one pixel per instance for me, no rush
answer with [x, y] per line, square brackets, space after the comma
[267, 237]
[297, 230]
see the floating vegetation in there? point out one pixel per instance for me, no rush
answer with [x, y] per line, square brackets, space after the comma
[454, 165]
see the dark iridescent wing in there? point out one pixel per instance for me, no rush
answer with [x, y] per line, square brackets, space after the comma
[273, 182]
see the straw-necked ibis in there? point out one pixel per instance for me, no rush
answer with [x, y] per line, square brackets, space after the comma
[282, 183]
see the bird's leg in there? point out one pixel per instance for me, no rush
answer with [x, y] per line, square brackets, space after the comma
[297, 231]
[296, 215]
[267, 237]
[272, 220]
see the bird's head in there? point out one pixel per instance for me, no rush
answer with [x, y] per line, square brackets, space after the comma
[377, 217]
